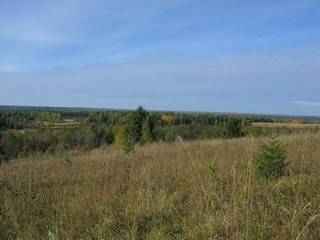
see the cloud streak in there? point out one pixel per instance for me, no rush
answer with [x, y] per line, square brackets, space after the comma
[306, 103]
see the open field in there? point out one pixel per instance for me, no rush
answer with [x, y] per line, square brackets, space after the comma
[289, 125]
[163, 191]
[49, 125]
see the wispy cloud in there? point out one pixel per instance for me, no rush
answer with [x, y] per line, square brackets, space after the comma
[32, 32]
[112, 100]
[306, 103]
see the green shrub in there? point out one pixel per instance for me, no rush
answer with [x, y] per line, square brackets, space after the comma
[3, 158]
[129, 145]
[271, 160]
[212, 166]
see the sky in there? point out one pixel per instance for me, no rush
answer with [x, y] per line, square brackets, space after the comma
[237, 56]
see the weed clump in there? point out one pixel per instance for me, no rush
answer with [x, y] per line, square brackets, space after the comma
[212, 166]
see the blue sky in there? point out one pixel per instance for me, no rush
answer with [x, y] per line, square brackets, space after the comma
[182, 55]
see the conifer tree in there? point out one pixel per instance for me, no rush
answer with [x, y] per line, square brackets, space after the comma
[271, 160]
[135, 124]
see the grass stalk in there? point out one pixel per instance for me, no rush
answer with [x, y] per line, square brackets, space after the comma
[311, 219]
[294, 217]
[249, 189]
[194, 166]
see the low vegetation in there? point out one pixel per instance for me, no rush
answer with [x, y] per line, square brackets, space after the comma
[204, 189]
[28, 132]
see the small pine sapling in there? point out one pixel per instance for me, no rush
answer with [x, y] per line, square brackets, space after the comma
[271, 160]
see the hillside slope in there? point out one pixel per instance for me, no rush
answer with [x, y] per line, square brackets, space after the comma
[163, 191]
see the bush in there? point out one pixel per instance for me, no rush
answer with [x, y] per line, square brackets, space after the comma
[3, 158]
[271, 160]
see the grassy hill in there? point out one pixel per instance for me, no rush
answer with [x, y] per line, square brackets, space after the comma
[185, 190]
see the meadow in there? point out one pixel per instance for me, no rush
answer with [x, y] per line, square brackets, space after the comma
[204, 189]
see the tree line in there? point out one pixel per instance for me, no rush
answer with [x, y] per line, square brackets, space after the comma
[19, 137]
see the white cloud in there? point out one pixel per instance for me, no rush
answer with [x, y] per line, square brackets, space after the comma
[31, 32]
[126, 100]
[306, 103]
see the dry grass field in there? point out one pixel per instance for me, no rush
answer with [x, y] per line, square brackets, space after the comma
[289, 125]
[163, 191]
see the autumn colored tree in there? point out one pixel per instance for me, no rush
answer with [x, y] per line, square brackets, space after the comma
[120, 135]
[167, 118]
[297, 121]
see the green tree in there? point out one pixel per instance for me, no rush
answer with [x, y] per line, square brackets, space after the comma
[148, 134]
[233, 128]
[10, 145]
[171, 135]
[129, 145]
[3, 157]
[135, 124]
[109, 135]
[271, 159]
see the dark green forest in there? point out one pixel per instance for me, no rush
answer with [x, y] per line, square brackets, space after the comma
[28, 131]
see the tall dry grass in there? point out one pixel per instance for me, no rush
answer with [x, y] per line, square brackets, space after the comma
[163, 192]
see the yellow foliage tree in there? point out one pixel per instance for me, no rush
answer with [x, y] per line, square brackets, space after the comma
[166, 118]
[120, 136]
[297, 121]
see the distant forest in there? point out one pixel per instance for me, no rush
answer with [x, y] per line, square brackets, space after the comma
[26, 131]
